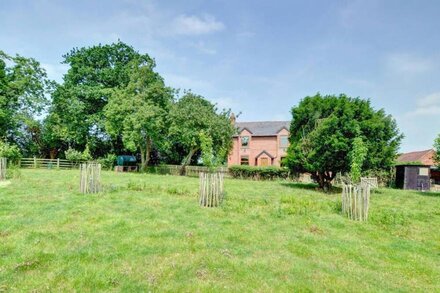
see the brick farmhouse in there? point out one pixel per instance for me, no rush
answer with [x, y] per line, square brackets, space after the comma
[260, 143]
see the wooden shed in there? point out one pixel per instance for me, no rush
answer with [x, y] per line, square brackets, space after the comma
[416, 177]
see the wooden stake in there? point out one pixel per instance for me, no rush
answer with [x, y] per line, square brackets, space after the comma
[3, 162]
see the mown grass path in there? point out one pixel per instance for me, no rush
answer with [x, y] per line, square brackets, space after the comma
[147, 233]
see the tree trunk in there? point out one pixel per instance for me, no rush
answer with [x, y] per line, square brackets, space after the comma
[187, 160]
[53, 153]
[142, 158]
[145, 155]
[324, 180]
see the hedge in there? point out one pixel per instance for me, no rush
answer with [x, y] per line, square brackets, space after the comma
[258, 173]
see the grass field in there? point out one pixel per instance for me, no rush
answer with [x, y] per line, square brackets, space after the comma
[147, 233]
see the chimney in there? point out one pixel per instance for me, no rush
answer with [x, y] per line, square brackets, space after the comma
[232, 118]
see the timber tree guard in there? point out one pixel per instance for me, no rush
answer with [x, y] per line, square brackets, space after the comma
[211, 189]
[90, 178]
[2, 169]
[356, 201]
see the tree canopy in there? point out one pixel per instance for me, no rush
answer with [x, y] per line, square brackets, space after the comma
[24, 94]
[77, 112]
[138, 112]
[323, 134]
[196, 122]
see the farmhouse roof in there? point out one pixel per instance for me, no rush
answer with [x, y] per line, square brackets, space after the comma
[263, 128]
[425, 157]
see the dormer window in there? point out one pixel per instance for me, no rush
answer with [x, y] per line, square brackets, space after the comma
[245, 141]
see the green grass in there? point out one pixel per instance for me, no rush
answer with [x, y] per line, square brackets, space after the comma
[147, 233]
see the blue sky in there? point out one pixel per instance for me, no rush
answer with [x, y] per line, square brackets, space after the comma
[258, 57]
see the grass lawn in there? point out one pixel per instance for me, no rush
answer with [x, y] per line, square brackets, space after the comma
[147, 233]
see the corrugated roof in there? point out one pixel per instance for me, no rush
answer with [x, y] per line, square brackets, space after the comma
[263, 128]
[425, 157]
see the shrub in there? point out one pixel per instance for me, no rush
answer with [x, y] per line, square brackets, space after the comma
[385, 178]
[10, 152]
[108, 162]
[259, 173]
[77, 156]
[13, 172]
[73, 155]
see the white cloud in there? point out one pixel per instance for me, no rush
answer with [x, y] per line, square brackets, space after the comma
[408, 64]
[201, 46]
[428, 105]
[195, 25]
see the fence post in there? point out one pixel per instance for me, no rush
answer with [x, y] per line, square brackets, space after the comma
[58, 163]
[35, 162]
[2, 169]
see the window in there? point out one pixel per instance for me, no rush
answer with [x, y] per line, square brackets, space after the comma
[423, 171]
[244, 141]
[244, 160]
[284, 141]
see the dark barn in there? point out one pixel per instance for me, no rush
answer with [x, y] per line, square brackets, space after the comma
[416, 177]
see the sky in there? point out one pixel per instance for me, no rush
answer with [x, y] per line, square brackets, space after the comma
[259, 58]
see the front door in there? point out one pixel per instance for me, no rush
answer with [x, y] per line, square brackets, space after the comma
[264, 162]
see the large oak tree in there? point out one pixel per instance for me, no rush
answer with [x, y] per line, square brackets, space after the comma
[77, 112]
[138, 113]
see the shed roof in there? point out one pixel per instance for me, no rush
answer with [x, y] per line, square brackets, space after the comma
[263, 128]
[425, 157]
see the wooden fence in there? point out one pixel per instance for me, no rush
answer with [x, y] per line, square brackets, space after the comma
[48, 163]
[2, 169]
[90, 178]
[355, 201]
[195, 171]
[371, 181]
[211, 189]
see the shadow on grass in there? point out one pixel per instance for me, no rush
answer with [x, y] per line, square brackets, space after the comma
[310, 186]
[429, 193]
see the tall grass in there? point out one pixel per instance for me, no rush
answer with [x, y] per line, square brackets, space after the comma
[148, 233]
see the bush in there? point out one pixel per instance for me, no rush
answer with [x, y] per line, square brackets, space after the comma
[259, 173]
[108, 162]
[385, 178]
[10, 152]
[73, 155]
[13, 172]
[77, 156]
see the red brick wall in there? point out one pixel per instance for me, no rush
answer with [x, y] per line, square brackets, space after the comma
[258, 144]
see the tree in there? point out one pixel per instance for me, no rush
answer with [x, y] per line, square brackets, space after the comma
[10, 152]
[138, 113]
[194, 121]
[95, 73]
[437, 149]
[323, 132]
[358, 154]
[24, 88]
